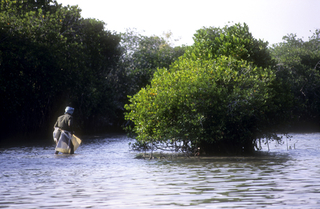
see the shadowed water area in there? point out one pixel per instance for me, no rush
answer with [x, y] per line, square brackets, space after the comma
[103, 173]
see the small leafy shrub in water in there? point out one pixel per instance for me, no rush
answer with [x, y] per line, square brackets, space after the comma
[218, 105]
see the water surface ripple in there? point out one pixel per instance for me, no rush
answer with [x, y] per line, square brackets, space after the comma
[104, 174]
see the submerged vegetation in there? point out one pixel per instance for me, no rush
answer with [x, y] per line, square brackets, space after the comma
[220, 95]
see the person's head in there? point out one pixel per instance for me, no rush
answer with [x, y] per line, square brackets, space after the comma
[69, 110]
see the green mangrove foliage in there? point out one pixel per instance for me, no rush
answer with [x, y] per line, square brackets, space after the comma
[143, 55]
[215, 103]
[298, 64]
[51, 57]
[235, 41]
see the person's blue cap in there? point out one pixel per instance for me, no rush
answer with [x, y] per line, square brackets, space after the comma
[69, 110]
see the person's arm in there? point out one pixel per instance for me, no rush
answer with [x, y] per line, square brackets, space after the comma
[55, 125]
[70, 124]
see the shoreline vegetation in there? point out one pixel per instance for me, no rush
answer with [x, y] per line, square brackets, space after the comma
[222, 93]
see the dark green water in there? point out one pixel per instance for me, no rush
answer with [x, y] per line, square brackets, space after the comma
[104, 174]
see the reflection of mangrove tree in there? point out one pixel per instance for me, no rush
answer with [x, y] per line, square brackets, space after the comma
[223, 93]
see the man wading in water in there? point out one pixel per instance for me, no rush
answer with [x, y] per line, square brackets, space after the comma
[64, 130]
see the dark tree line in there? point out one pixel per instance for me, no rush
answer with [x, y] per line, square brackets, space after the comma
[298, 64]
[51, 57]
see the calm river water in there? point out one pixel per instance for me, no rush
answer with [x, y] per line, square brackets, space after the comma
[103, 173]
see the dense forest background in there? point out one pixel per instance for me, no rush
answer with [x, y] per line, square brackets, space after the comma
[51, 57]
